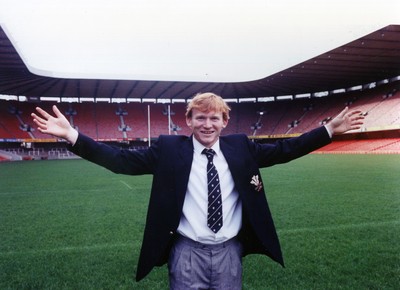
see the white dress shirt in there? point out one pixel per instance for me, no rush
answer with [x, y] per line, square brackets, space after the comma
[193, 223]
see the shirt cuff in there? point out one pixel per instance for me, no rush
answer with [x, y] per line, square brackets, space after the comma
[330, 133]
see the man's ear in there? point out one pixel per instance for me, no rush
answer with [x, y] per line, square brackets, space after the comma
[189, 122]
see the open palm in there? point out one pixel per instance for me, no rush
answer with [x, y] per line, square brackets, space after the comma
[57, 126]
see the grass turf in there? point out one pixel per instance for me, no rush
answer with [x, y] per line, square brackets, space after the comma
[74, 225]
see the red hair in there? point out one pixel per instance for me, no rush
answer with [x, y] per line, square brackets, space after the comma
[207, 102]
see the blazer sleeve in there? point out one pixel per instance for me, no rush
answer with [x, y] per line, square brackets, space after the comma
[286, 150]
[117, 160]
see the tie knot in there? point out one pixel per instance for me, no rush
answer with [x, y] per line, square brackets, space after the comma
[209, 153]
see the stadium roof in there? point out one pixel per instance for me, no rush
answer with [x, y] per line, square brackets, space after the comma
[371, 58]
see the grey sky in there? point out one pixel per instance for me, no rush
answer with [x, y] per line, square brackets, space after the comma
[183, 39]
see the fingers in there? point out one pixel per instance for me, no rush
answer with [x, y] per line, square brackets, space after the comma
[41, 121]
[38, 119]
[355, 126]
[343, 112]
[43, 113]
[352, 116]
[356, 116]
[355, 112]
[356, 119]
[57, 111]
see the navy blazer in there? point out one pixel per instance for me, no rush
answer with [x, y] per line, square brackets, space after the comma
[170, 158]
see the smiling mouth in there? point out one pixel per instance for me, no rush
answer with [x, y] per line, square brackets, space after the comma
[207, 132]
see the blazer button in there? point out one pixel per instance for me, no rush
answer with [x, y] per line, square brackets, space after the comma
[171, 233]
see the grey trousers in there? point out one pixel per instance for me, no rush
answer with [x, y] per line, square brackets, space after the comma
[193, 265]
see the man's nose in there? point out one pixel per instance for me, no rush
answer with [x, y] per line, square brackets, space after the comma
[207, 123]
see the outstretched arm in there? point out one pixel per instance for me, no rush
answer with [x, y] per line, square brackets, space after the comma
[57, 126]
[345, 121]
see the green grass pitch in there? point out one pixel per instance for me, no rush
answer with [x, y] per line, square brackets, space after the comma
[74, 225]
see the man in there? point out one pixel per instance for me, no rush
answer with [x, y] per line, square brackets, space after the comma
[203, 243]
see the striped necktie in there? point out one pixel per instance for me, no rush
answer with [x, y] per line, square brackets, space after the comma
[214, 215]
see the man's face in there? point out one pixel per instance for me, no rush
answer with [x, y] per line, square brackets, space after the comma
[206, 126]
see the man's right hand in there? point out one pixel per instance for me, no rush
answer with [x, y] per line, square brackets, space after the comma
[57, 126]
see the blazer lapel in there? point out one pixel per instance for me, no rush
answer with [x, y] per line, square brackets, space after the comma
[241, 167]
[233, 158]
[183, 165]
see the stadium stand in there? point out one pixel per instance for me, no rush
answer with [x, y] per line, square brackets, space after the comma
[136, 119]
[11, 122]
[85, 119]
[128, 122]
[3, 158]
[377, 146]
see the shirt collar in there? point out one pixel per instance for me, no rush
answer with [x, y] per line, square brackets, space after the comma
[198, 147]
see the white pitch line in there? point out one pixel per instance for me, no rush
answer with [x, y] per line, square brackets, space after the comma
[124, 245]
[51, 191]
[126, 184]
[67, 249]
[340, 227]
